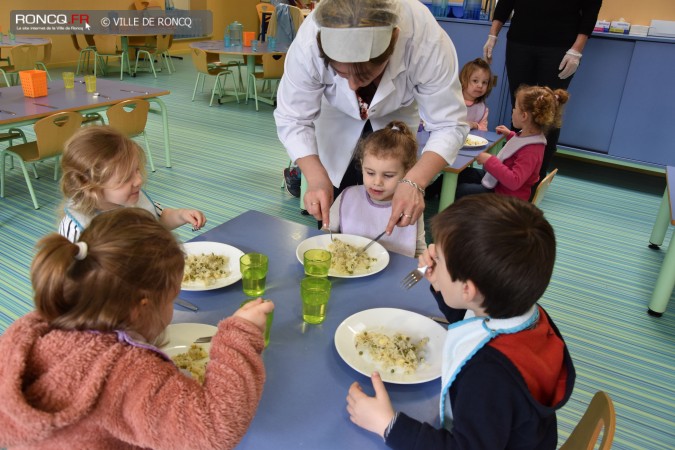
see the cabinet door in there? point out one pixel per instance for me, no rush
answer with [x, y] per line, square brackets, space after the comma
[595, 94]
[646, 115]
[469, 39]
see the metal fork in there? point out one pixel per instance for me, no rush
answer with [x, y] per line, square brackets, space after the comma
[413, 277]
[203, 340]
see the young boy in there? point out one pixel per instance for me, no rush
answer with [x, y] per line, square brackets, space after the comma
[506, 369]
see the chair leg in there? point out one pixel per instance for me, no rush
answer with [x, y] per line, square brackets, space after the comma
[56, 168]
[216, 85]
[147, 151]
[35, 174]
[43, 67]
[30, 185]
[6, 79]
[194, 92]
[3, 156]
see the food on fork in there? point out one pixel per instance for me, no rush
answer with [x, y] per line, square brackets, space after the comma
[397, 353]
[346, 259]
[194, 361]
[205, 269]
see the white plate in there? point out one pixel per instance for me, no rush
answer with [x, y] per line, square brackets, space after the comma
[233, 253]
[390, 321]
[180, 337]
[479, 141]
[323, 241]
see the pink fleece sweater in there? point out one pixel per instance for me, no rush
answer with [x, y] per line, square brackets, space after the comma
[83, 390]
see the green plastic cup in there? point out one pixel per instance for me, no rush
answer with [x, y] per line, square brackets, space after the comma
[253, 268]
[315, 292]
[317, 262]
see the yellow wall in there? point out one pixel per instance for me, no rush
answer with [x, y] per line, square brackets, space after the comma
[227, 11]
[639, 12]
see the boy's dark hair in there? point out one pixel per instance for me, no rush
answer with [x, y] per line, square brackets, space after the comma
[503, 244]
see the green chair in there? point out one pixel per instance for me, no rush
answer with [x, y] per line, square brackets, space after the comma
[107, 47]
[23, 57]
[205, 65]
[161, 50]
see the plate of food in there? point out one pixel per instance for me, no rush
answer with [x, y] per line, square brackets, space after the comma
[344, 261]
[210, 265]
[473, 141]
[188, 356]
[403, 346]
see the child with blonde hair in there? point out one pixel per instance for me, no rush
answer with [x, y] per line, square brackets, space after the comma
[515, 169]
[476, 80]
[385, 156]
[84, 371]
[103, 169]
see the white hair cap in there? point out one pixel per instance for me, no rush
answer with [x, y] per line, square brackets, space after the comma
[354, 45]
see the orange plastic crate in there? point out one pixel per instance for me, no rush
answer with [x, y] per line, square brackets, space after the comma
[34, 83]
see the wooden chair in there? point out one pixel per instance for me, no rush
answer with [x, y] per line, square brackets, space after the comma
[131, 121]
[265, 13]
[23, 57]
[46, 58]
[296, 17]
[205, 63]
[543, 187]
[599, 415]
[273, 70]
[51, 134]
[107, 47]
[160, 50]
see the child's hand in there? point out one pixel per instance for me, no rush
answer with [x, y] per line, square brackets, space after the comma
[256, 312]
[503, 129]
[482, 158]
[370, 413]
[429, 258]
[193, 217]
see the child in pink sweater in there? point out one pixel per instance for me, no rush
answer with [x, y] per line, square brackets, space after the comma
[84, 370]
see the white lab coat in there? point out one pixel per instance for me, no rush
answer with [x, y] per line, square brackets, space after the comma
[318, 114]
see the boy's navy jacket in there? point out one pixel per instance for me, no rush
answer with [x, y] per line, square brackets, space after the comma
[493, 407]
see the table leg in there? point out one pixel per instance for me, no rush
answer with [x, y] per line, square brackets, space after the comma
[664, 283]
[661, 223]
[448, 190]
[165, 126]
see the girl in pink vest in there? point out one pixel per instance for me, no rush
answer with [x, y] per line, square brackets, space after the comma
[385, 156]
[515, 169]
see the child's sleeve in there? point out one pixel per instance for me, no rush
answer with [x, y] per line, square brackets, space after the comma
[335, 214]
[483, 123]
[526, 162]
[421, 237]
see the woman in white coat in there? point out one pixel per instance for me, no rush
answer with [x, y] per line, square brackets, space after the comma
[355, 66]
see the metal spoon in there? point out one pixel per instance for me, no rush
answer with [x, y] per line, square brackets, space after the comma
[96, 94]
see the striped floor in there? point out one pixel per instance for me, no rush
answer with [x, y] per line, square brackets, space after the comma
[227, 159]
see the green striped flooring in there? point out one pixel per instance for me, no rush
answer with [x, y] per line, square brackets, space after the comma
[227, 160]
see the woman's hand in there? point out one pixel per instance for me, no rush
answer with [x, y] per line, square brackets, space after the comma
[319, 198]
[256, 312]
[370, 413]
[406, 207]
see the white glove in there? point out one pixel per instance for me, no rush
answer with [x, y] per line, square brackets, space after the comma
[569, 64]
[487, 48]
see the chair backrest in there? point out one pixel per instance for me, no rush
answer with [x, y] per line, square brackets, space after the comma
[106, 44]
[164, 41]
[543, 187]
[89, 38]
[53, 131]
[599, 414]
[202, 59]
[76, 44]
[23, 56]
[285, 23]
[46, 52]
[130, 121]
[273, 66]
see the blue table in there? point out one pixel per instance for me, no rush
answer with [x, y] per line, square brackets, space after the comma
[666, 216]
[465, 157]
[303, 403]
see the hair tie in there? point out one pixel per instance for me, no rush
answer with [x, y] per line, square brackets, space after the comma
[541, 97]
[82, 250]
[395, 128]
